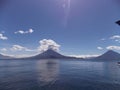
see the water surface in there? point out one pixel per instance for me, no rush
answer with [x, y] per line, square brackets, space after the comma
[59, 75]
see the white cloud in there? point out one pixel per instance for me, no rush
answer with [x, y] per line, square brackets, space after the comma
[21, 51]
[113, 47]
[84, 56]
[115, 37]
[7, 54]
[2, 37]
[22, 55]
[3, 49]
[46, 44]
[100, 48]
[19, 48]
[24, 32]
[20, 31]
[31, 31]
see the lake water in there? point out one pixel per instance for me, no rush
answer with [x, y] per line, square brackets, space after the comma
[59, 75]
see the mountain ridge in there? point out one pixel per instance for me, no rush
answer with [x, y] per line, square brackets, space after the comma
[51, 54]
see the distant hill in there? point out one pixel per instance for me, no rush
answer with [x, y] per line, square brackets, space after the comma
[109, 55]
[50, 54]
[4, 57]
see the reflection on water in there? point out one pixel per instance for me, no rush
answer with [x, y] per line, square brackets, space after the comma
[48, 71]
[112, 72]
[59, 75]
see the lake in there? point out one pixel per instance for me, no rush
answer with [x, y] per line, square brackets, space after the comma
[59, 75]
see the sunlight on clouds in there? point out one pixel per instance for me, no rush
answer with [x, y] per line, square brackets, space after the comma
[46, 44]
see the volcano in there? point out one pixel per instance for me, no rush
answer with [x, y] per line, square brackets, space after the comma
[50, 54]
[109, 55]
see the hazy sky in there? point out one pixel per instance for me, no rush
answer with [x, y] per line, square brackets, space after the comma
[75, 26]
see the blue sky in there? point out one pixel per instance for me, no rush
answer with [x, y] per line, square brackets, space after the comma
[76, 26]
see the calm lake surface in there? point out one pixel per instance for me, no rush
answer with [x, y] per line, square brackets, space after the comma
[59, 75]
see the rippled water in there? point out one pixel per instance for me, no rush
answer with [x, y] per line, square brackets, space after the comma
[59, 75]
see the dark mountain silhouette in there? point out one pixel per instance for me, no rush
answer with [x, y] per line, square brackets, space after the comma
[50, 54]
[5, 57]
[109, 55]
[118, 22]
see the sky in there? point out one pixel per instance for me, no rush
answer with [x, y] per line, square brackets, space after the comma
[71, 27]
